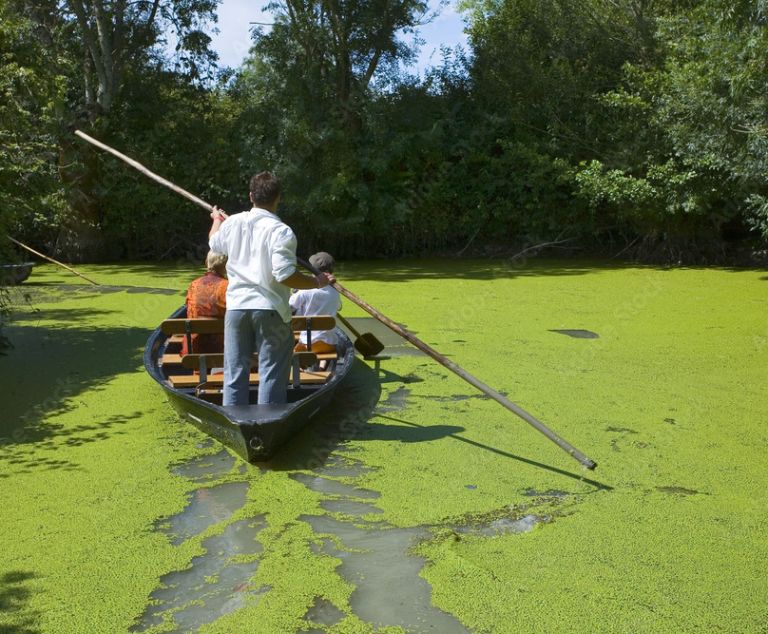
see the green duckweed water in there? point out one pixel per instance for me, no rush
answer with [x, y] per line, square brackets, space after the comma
[667, 535]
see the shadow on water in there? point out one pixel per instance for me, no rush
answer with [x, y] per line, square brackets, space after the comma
[51, 292]
[27, 455]
[348, 419]
[506, 454]
[61, 315]
[495, 268]
[353, 405]
[14, 597]
[474, 269]
[42, 373]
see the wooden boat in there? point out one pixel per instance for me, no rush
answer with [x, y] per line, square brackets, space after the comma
[14, 274]
[252, 431]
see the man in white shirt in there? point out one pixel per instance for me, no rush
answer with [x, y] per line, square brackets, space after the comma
[318, 301]
[261, 268]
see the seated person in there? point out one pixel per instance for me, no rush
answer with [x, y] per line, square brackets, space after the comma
[206, 297]
[317, 301]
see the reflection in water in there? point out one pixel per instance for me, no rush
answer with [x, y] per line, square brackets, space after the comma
[394, 344]
[213, 586]
[375, 558]
[504, 526]
[206, 467]
[348, 507]
[207, 507]
[333, 487]
[323, 612]
[388, 588]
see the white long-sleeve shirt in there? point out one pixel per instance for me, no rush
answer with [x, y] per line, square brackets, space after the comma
[317, 301]
[262, 252]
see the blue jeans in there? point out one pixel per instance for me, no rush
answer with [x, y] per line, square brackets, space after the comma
[265, 332]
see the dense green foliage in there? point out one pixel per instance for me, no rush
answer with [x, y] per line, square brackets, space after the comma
[609, 124]
[32, 87]
[72, 65]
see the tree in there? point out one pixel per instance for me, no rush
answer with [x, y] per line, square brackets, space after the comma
[90, 47]
[692, 131]
[116, 33]
[307, 90]
[332, 50]
[33, 88]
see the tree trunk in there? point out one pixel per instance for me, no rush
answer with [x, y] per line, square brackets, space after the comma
[80, 238]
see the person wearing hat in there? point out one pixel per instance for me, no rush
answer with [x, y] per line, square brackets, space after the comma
[318, 301]
[261, 267]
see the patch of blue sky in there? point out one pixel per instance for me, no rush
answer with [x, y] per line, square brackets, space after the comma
[236, 18]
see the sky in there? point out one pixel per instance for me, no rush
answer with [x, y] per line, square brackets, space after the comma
[233, 40]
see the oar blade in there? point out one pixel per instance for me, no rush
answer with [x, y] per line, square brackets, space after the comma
[368, 345]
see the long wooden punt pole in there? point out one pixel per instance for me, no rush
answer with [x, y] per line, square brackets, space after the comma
[426, 349]
[45, 257]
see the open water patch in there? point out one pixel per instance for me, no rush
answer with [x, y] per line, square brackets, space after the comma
[514, 519]
[374, 556]
[504, 526]
[206, 468]
[333, 487]
[548, 494]
[207, 506]
[395, 401]
[394, 344]
[323, 612]
[388, 589]
[213, 585]
[338, 467]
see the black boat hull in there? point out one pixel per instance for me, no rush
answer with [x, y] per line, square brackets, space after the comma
[15, 274]
[254, 432]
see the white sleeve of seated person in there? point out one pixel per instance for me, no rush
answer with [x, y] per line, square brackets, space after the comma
[296, 300]
[283, 253]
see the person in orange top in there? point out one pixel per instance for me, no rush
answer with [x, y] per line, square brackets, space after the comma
[206, 297]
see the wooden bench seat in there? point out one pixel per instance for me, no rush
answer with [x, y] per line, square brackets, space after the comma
[217, 380]
[178, 359]
[193, 380]
[201, 364]
[178, 330]
[215, 325]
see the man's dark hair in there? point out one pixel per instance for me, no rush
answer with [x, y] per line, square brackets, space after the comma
[265, 188]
